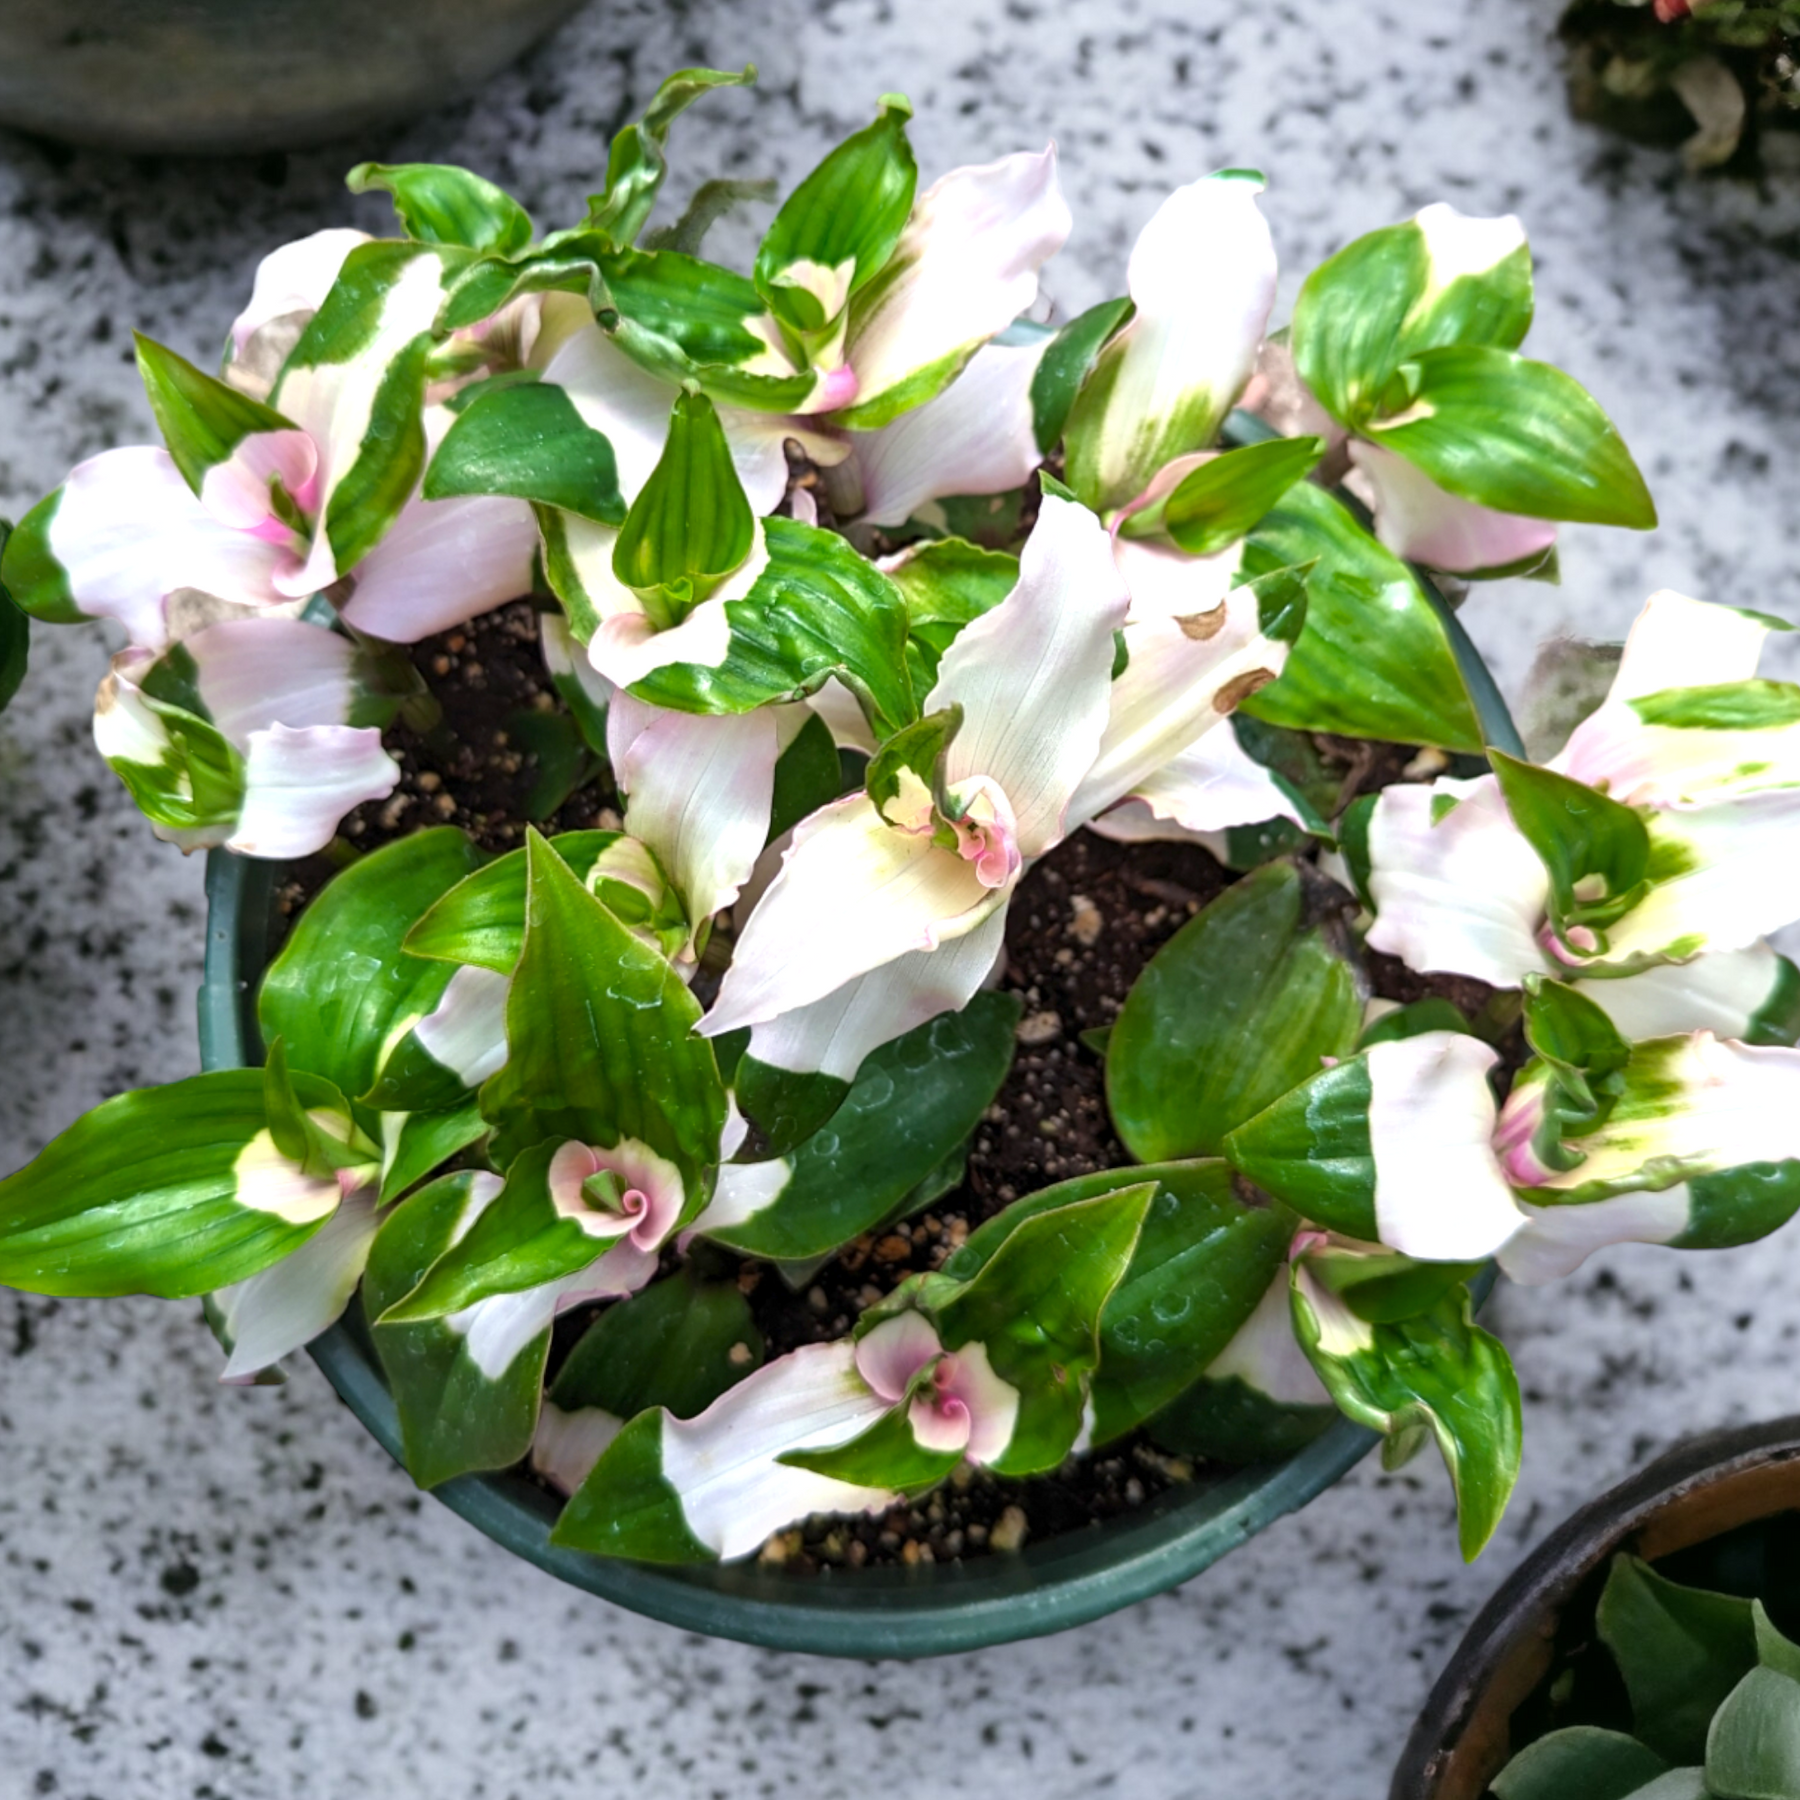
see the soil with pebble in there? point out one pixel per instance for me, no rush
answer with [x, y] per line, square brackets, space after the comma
[1085, 921]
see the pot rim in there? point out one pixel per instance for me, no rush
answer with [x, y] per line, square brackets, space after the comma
[1538, 1589]
[929, 1610]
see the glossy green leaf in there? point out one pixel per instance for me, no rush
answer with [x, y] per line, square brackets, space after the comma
[1438, 1371]
[1375, 659]
[148, 1193]
[712, 201]
[519, 1242]
[691, 525]
[635, 162]
[1725, 706]
[1582, 1762]
[679, 1344]
[786, 1106]
[910, 760]
[453, 1418]
[564, 262]
[1753, 1748]
[29, 572]
[1311, 1149]
[1490, 426]
[1065, 366]
[198, 783]
[886, 1455]
[15, 633]
[1595, 850]
[628, 1507]
[1224, 498]
[1384, 1287]
[1239, 1006]
[438, 203]
[947, 583]
[1413, 1020]
[838, 228]
[482, 919]
[1378, 301]
[343, 992]
[1230, 1421]
[1036, 1304]
[601, 1038]
[1681, 1650]
[817, 610]
[202, 420]
[559, 758]
[414, 1144]
[528, 441]
[1774, 1649]
[808, 775]
[913, 1102]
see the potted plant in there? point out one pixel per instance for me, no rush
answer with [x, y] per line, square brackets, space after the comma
[812, 1188]
[1646, 1647]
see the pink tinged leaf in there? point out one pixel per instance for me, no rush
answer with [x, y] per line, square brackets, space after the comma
[987, 835]
[1515, 1134]
[288, 1304]
[1267, 1357]
[1440, 1193]
[256, 673]
[939, 1422]
[1167, 583]
[1033, 675]
[1720, 993]
[294, 279]
[1464, 895]
[1418, 520]
[442, 563]
[1556, 1240]
[466, 1030]
[236, 491]
[299, 784]
[698, 790]
[1213, 785]
[852, 895]
[268, 1182]
[129, 532]
[1277, 394]
[566, 1445]
[977, 437]
[723, 1464]
[653, 1192]
[966, 1380]
[890, 1355]
[834, 1034]
[965, 267]
[1186, 673]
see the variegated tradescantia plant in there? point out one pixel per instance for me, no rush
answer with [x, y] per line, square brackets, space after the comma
[867, 593]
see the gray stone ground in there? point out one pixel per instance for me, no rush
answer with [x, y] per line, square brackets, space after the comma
[210, 1593]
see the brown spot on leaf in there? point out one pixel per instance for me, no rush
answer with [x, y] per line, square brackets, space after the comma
[1201, 626]
[1236, 691]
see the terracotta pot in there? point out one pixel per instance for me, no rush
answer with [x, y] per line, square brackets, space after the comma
[1700, 1489]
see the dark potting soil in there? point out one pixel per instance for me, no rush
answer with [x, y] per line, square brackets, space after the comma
[1084, 923]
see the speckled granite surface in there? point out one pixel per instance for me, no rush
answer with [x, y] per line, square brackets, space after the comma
[209, 1593]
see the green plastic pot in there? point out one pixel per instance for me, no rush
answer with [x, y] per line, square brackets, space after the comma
[928, 1610]
[1698, 1491]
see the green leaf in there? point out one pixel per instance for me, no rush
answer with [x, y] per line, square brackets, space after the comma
[1681, 1650]
[146, 1193]
[343, 992]
[1774, 1649]
[1582, 1762]
[414, 1144]
[1066, 365]
[712, 201]
[1437, 1370]
[438, 203]
[1726, 706]
[1414, 1020]
[1490, 426]
[600, 1034]
[453, 1418]
[913, 1102]
[481, 920]
[1595, 850]
[914, 753]
[202, 420]
[520, 1241]
[528, 441]
[198, 783]
[1374, 660]
[786, 1105]
[15, 633]
[818, 609]
[679, 1344]
[1238, 1007]
[33, 578]
[1380, 300]
[1230, 1421]
[947, 584]
[1223, 499]
[1035, 1306]
[1753, 1748]
[635, 164]
[1311, 1150]
[808, 775]
[886, 1455]
[1202, 1262]
[691, 525]
[561, 758]
[838, 228]
[628, 1507]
